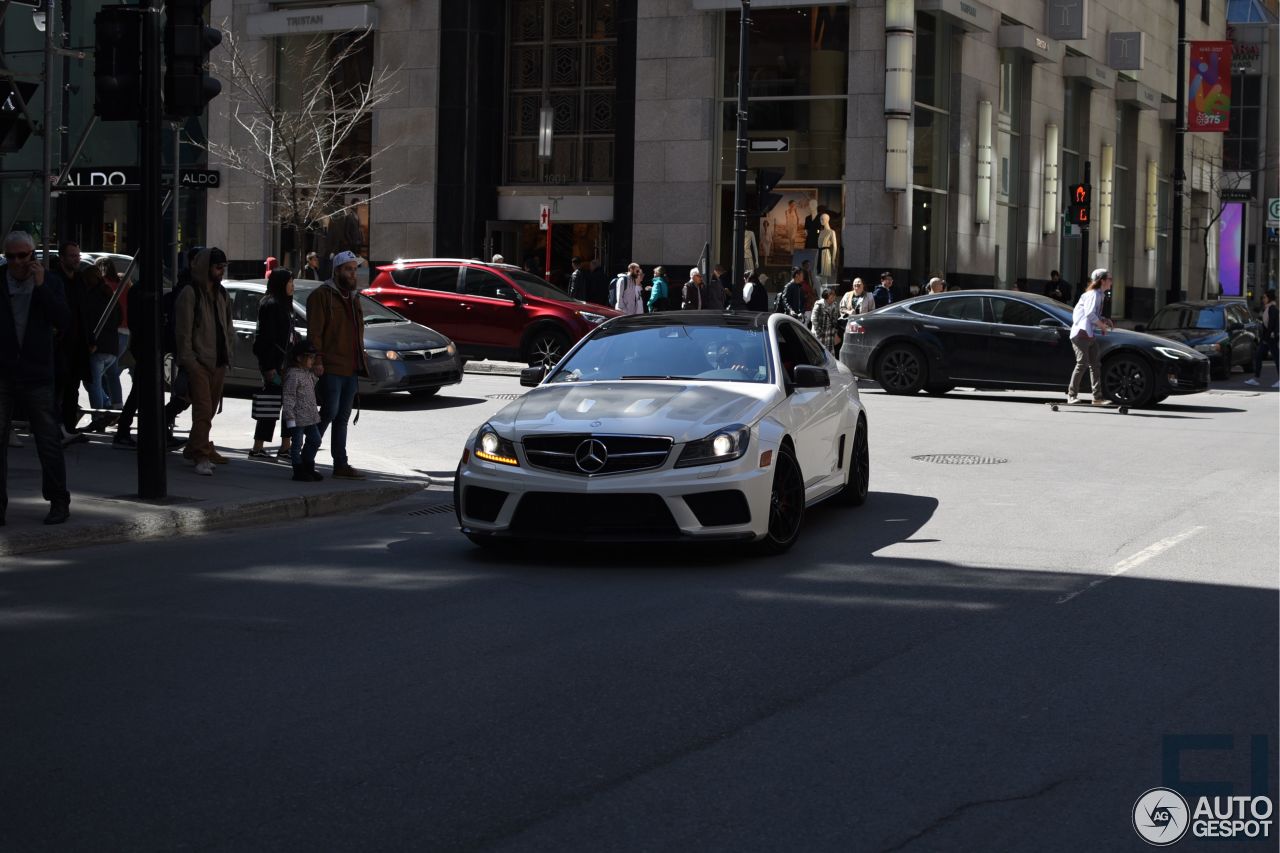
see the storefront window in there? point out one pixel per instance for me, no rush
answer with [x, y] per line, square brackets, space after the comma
[562, 54]
[793, 52]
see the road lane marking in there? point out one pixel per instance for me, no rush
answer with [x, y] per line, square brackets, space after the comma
[1136, 560]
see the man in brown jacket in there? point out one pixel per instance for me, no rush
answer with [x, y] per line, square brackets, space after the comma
[335, 326]
[202, 318]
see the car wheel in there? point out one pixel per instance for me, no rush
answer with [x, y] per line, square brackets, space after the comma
[938, 390]
[546, 347]
[858, 480]
[1158, 398]
[424, 393]
[786, 503]
[901, 370]
[1128, 381]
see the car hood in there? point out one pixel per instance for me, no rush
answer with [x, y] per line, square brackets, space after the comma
[402, 336]
[1192, 337]
[1143, 340]
[685, 411]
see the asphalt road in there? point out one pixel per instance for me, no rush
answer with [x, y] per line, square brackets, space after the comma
[987, 657]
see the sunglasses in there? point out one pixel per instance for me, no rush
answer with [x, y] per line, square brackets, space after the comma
[16, 256]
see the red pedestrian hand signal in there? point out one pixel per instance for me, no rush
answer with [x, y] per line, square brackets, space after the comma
[1082, 195]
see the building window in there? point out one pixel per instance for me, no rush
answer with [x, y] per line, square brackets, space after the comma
[562, 54]
[931, 147]
[1011, 190]
[797, 86]
[1241, 145]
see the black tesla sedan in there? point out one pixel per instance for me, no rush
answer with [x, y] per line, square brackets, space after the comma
[1224, 331]
[1008, 339]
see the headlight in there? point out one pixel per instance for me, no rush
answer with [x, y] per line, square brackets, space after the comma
[1209, 348]
[592, 318]
[452, 348]
[1170, 352]
[388, 354]
[492, 447]
[723, 445]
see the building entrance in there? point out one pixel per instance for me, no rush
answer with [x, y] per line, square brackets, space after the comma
[525, 244]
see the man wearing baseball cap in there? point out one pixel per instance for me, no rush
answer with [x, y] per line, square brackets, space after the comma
[691, 294]
[335, 325]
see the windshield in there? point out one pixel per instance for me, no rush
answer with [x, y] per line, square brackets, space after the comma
[717, 353]
[535, 286]
[1188, 317]
[374, 312]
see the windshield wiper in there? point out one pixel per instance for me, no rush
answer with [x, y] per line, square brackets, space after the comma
[626, 378]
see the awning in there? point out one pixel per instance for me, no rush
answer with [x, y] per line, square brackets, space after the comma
[1040, 48]
[1086, 70]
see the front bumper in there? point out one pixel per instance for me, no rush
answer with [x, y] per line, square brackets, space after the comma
[728, 501]
[1184, 376]
[386, 376]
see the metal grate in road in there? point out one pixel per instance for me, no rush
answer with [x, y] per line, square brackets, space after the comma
[959, 459]
[503, 396]
[440, 509]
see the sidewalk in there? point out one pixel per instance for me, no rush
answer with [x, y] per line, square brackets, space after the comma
[105, 507]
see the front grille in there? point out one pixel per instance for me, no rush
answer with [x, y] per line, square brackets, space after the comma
[623, 453]
[423, 354]
[718, 508]
[561, 514]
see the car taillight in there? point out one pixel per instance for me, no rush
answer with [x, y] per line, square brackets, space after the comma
[854, 328]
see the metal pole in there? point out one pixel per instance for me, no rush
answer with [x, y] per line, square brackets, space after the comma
[175, 210]
[546, 270]
[52, 27]
[1179, 155]
[152, 482]
[1084, 237]
[740, 164]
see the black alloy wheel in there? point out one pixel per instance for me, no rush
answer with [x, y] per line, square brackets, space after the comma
[546, 348]
[858, 480]
[786, 503]
[901, 370]
[1128, 381]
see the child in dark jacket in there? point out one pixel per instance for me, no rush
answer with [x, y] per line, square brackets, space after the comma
[299, 412]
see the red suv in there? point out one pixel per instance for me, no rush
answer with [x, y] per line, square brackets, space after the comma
[489, 310]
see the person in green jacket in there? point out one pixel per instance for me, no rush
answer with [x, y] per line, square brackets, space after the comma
[658, 291]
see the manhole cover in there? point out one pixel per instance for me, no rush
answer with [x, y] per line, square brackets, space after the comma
[503, 396]
[959, 459]
[441, 509]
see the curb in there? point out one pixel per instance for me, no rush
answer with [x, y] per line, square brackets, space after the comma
[184, 521]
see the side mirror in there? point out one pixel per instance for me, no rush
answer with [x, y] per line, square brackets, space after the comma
[808, 376]
[1052, 323]
[531, 377]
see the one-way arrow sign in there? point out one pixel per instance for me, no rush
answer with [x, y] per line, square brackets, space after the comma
[773, 146]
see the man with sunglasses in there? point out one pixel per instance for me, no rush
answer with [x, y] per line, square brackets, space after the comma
[32, 313]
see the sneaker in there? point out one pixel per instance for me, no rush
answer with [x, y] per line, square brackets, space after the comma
[124, 441]
[282, 454]
[173, 442]
[260, 454]
[1251, 381]
[204, 468]
[1072, 399]
[1101, 402]
[217, 458]
[74, 438]
[346, 472]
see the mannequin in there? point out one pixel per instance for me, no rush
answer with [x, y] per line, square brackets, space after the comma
[750, 251]
[828, 247]
[812, 226]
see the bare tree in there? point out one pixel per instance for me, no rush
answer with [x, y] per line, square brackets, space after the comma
[311, 144]
[1220, 182]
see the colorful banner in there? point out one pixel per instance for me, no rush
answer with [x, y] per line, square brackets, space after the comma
[1209, 95]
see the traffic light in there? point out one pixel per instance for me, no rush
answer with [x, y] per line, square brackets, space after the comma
[187, 42]
[1081, 199]
[117, 63]
[766, 180]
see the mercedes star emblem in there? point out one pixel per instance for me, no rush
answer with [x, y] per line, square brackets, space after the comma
[591, 456]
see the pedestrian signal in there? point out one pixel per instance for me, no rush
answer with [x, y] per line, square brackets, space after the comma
[1081, 198]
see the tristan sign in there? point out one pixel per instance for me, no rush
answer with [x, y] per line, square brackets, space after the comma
[319, 19]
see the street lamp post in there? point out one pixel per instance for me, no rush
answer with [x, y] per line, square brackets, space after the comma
[740, 164]
[1179, 173]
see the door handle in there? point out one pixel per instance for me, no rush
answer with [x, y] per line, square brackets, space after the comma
[1007, 335]
[408, 302]
[930, 326]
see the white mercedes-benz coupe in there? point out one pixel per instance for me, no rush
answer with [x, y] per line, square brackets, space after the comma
[677, 426]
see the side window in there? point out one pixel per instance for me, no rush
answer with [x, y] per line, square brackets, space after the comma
[924, 306]
[960, 308]
[480, 282]
[1011, 312]
[813, 350]
[405, 277]
[792, 349]
[1238, 313]
[244, 305]
[437, 278]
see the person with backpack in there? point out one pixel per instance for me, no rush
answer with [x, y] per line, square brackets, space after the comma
[755, 295]
[205, 340]
[628, 288]
[658, 298]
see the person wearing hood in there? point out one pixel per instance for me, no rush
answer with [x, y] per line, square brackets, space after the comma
[204, 337]
[335, 326]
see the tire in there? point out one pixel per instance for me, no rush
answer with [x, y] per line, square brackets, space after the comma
[858, 481]
[938, 390]
[786, 504]
[424, 393]
[546, 347]
[1128, 380]
[901, 370]
[1157, 399]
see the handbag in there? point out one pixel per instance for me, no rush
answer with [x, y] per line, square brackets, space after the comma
[266, 404]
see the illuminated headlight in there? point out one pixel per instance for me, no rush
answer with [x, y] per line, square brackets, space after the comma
[452, 348]
[492, 447]
[723, 445]
[1170, 352]
[1209, 348]
[388, 354]
[592, 318]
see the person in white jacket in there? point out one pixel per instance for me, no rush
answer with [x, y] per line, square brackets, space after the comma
[630, 291]
[1087, 321]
